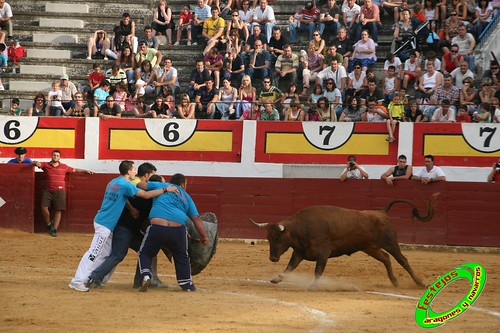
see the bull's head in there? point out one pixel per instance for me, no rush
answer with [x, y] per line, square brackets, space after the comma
[277, 237]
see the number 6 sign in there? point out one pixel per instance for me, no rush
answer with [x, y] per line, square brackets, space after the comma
[170, 132]
[15, 130]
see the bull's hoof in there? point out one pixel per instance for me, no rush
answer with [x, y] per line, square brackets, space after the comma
[394, 282]
[313, 287]
[277, 279]
[420, 283]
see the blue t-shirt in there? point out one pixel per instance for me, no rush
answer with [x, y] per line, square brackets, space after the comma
[116, 195]
[101, 96]
[172, 206]
[15, 161]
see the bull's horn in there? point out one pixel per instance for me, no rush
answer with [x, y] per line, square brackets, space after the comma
[260, 225]
[281, 227]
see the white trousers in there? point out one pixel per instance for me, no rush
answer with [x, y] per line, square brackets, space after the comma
[99, 250]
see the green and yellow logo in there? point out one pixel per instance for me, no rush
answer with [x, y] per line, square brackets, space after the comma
[472, 272]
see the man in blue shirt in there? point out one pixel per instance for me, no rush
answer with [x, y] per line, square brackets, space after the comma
[20, 158]
[168, 218]
[116, 195]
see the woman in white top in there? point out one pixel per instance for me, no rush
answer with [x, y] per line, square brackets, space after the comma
[355, 80]
[227, 98]
[429, 82]
[246, 14]
[484, 16]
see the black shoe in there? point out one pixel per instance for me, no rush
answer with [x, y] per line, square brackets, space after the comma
[146, 282]
[189, 288]
[93, 284]
[49, 227]
[53, 233]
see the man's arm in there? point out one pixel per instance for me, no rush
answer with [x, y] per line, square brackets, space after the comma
[386, 176]
[84, 171]
[198, 224]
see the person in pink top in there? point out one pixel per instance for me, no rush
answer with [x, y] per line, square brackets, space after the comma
[54, 191]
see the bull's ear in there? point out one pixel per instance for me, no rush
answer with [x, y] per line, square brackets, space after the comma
[281, 227]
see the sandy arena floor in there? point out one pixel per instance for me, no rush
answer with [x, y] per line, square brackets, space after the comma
[233, 295]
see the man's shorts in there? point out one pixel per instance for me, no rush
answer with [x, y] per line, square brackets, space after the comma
[54, 199]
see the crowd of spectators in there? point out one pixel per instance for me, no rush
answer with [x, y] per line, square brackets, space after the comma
[247, 56]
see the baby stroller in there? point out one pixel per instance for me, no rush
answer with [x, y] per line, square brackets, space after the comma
[417, 42]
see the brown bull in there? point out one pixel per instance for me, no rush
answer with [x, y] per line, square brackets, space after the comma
[320, 232]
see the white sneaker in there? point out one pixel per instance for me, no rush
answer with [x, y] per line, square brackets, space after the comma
[78, 287]
[146, 281]
[194, 43]
[105, 58]
[176, 43]
[189, 42]
[2, 87]
[303, 53]
[89, 58]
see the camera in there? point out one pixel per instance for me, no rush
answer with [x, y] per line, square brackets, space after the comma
[352, 164]
[497, 166]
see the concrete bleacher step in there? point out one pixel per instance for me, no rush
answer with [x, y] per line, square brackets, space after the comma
[54, 7]
[42, 69]
[55, 38]
[60, 23]
[48, 53]
[34, 86]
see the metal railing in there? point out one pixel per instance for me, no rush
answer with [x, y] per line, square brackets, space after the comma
[489, 29]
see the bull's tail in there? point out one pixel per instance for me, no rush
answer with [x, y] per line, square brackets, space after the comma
[431, 207]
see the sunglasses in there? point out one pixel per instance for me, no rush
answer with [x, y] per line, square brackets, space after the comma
[493, 68]
[357, 67]
[315, 34]
[236, 15]
[453, 14]
[267, 81]
[329, 83]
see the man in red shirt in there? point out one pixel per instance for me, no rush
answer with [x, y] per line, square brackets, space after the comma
[370, 19]
[96, 77]
[54, 192]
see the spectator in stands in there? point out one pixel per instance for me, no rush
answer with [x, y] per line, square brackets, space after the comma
[185, 109]
[371, 91]
[396, 112]
[444, 113]
[483, 115]
[451, 60]
[404, 32]
[487, 92]
[493, 73]
[393, 5]
[15, 110]
[413, 114]
[100, 95]
[163, 22]
[431, 13]
[6, 18]
[185, 23]
[353, 112]
[145, 76]
[412, 70]
[264, 16]
[39, 108]
[120, 95]
[370, 19]
[256, 36]
[201, 12]
[125, 32]
[213, 30]
[294, 111]
[469, 95]
[392, 60]
[259, 61]
[484, 15]
[329, 19]
[246, 15]
[21, 157]
[307, 21]
[451, 25]
[343, 45]
[290, 95]
[401, 171]
[141, 109]
[234, 67]
[286, 66]
[213, 63]
[253, 113]
[430, 173]
[226, 102]
[355, 81]
[375, 113]
[95, 77]
[334, 98]
[80, 109]
[205, 100]
[168, 77]
[447, 91]
[68, 90]
[247, 97]
[494, 175]
[466, 44]
[460, 73]
[233, 41]
[115, 75]
[150, 39]
[270, 113]
[312, 64]
[146, 53]
[276, 44]
[351, 12]
[318, 43]
[353, 170]
[462, 115]
[126, 62]
[97, 45]
[335, 72]
[364, 51]
[269, 93]
[496, 110]
[237, 23]
[110, 109]
[160, 109]
[197, 79]
[429, 82]
[390, 85]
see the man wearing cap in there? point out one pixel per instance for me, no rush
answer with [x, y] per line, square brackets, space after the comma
[147, 53]
[20, 158]
[68, 90]
[54, 192]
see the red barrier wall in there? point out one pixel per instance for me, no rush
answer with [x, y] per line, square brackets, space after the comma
[17, 190]
[468, 213]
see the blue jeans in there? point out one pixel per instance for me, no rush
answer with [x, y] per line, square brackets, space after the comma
[264, 72]
[372, 28]
[122, 239]
[293, 30]
[267, 28]
[331, 28]
[355, 32]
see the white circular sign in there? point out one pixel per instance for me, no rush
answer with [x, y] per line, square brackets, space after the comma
[170, 132]
[327, 135]
[15, 130]
[484, 138]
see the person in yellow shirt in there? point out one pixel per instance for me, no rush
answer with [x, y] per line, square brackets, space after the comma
[396, 114]
[213, 30]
